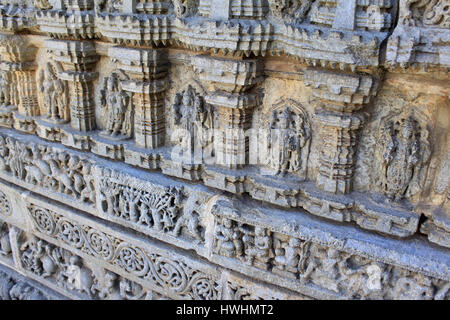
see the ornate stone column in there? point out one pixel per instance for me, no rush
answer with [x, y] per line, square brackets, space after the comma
[147, 71]
[228, 82]
[78, 59]
[340, 97]
[18, 88]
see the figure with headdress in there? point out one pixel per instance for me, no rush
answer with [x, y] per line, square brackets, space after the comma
[286, 137]
[117, 103]
[401, 156]
[54, 92]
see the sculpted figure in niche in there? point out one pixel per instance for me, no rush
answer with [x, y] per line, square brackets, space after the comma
[229, 243]
[323, 267]
[290, 257]
[404, 153]
[288, 142]
[37, 257]
[54, 94]
[194, 124]
[78, 277]
[117, 108]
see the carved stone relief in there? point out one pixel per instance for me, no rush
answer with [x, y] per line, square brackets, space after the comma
[308, 262]
[5, 205]
[44, 167]
[405, 151]
[12, 289]
[194, 124]
[350, 173]
[5, 243]
[288, 138]
[290, 11]
[185, 8]
[429, 13]
[116, 103]
[163, 210]
[54, 94]
[184, 281]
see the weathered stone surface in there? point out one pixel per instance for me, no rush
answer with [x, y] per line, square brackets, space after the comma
[263, 149]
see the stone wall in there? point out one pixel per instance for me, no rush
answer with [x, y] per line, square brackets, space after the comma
[224, 149]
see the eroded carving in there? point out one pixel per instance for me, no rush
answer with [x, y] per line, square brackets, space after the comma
[289, 134]
[194, 123]
[5, 243]
[311, 263]
[54, 93]
[12, 289]
[405, 152]
[117, 105]
[53, 170]
[430, 13]
[5, 205]
[185, 8]
[290, 11]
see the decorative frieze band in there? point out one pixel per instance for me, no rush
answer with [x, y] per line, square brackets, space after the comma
[260, 242]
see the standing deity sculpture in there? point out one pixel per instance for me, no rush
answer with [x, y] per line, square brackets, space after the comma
[194, 124]
[403, 155]
[117, 105]
[288, 142]
[54, 93]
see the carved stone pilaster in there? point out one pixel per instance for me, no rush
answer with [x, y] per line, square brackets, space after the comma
[147, 70]
[340, 96]
[78, 59]
[18, 85]
[228, 82]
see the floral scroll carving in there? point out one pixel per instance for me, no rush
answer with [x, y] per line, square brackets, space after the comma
[175, 276]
